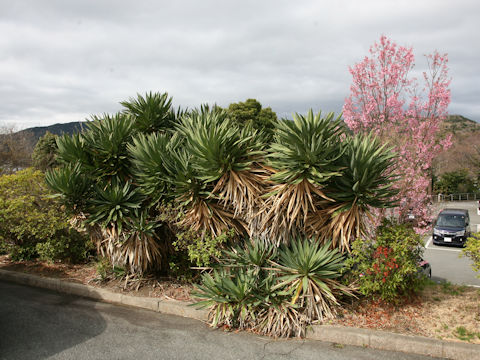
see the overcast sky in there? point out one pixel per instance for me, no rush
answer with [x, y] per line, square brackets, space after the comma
[62, 61]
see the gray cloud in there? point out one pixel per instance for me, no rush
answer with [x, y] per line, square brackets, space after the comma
[61, 61]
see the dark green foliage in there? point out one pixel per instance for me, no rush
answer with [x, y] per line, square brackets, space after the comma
[33, 223]
[73, 150]
[44, 154]
[112, 176]
[250, 113]
[24, 252]
[71, 185]
[152, 112]
[106, 140]
[309, 271]
[152, 159]
[365, 180]
[306, 148]
[388, 266]
[112, 204]
[217, 145]
[455, 182]
[223, 173]
[68, 245]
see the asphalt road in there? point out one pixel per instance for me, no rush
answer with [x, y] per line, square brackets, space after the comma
[445, 261]
[41, 324]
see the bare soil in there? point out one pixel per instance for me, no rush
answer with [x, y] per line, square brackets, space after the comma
[87, 274]
[442, 311]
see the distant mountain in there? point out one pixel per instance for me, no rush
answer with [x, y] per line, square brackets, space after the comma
[465, 150]
[459, 123]
[56, 129]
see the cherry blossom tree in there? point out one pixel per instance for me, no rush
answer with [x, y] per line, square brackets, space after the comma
[385, 99]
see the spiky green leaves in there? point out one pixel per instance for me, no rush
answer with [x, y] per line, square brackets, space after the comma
[113, 204]
[106, 140]
[306, 148]
[309, 272]
[368, 178]
[152, 112]
[257, 285]
[71, 185]
[151, 156]
[217, 145]
[72, 150]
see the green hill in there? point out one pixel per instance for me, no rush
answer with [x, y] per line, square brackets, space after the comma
[459, 123]
[56, 129]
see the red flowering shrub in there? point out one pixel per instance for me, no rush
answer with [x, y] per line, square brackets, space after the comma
[388, 266]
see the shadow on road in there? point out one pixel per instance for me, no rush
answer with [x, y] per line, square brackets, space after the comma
[36, 324]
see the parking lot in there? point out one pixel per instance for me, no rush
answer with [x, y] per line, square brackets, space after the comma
[445, 261]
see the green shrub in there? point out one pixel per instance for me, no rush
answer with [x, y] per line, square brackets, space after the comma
[472, 250]
[33, 223]
[45, 152]
[387, 267]
[21, 253]
[201, 249]
[28, 215]
[69, 245]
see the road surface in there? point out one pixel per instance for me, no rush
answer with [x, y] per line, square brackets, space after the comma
[445, 261]
[41, 324]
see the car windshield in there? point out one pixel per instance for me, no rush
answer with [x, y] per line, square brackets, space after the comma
[451, 220]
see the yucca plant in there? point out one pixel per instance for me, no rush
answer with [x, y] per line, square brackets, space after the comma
[367, 182]
[139, 246]
[73, 150]
[113, 204]
[304, 158]
[254, 253]
[281, 291]
[152, 112]
[106, 140]
[229, 295]
[222, 158]
[151, 156]
[275, 315]
[309, 272]
[71, 185]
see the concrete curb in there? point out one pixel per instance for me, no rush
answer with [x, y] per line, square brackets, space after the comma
[384, 340]
[172, 307]
[336, 334]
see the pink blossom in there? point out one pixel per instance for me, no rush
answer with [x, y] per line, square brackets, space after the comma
[386, 100]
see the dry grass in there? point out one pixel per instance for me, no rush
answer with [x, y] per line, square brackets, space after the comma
[443, 311]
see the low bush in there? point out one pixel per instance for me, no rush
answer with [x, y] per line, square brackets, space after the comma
[28, 214]
[21, 253]
[388, 266]
[68, 245]
[472, 250]
[201, 249]
[276, 292]
[106, 271]
[33, 223]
